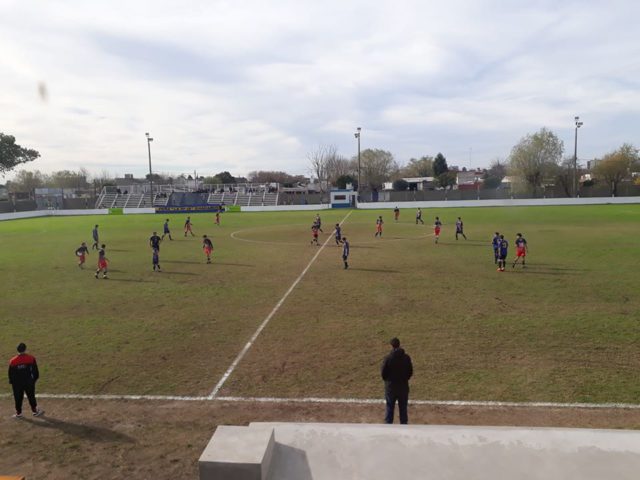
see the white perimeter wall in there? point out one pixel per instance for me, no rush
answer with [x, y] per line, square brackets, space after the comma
[285, 208]
[134, 211]
[52, 213]
[518, 202]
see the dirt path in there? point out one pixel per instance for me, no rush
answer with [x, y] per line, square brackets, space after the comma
[163, 440]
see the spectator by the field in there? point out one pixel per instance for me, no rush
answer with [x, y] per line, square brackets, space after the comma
[23, 375]
[397, 369]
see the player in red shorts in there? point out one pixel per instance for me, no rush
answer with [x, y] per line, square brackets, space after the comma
[218, 218]
[436, 228]
[103, 262]
[379, 223]
[187, 227]
[314, 234]
[521, 250]
[81, 252]
[207, 247]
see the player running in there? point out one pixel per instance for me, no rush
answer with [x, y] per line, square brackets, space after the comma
[419, 217]
[437, 226]
[314, 234]
[154, 241]
[495, 243]
[345, 252]
[502, 254]
[338, 234]
[521, 250]
[187, 227]
[207, 247]
[318, 222]
[165, 230]
[81, 252]
[379, 223]
[96, 237]
[103, 262]
[396, 213]
[460, 228]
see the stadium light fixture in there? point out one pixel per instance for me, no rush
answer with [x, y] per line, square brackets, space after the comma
[149, 140]
[575, 156]
[357, 135]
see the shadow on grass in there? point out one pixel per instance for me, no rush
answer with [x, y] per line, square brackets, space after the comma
[374, 270]
[85, 432]
[186, 262]
[233, 264]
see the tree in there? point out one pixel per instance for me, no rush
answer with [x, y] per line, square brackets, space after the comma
[12, 154]
[419, 167]
[320, 160]
[617, 165]
[494, 175]
[400, 185]
[267, 176]
[535, 157]
[447, 179]
[440, 165]
[26, 182]
[376, 167]
[67, 179]
[564, 176]
[225, 177]
[338, 166]
[343, 180]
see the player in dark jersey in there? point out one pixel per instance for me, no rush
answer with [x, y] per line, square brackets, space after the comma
[314, 234]
[165, 230]
[345, 252]
[218, 218]
[396, 213]
[96, 237]
[460, 228]
[154, 241]
[187, 227]
[103, 262]
[521, 250]
[495, 243]
[23, 375]
[379, 223]
[207, 247]
[437, 226]
[502, 254]
[81, 252]
[419, 217]
[155, 260]
[318, 222]
[338, 233]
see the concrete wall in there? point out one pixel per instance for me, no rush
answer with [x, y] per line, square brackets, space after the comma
[285, 208]
[135, 211]
[522, 202]
[52, 213]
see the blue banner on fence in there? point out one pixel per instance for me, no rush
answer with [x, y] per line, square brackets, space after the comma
[190, 209]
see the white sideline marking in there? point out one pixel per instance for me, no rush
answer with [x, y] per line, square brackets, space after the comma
[264, 323]
[352, 401]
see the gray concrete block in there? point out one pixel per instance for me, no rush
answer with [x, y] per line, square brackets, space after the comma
[237, 453]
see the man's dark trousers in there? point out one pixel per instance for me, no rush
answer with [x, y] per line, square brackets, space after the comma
[18, 395]
[402, 397]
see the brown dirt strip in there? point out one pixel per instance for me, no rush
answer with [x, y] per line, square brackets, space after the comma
[163, 440]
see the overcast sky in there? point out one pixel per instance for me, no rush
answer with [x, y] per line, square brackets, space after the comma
[241, 86]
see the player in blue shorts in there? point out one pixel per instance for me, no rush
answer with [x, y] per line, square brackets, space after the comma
[504, 251]
[460, 228]
[345, 252]
[155, 259]
[165, 230]
[495, 243]
[338, 233]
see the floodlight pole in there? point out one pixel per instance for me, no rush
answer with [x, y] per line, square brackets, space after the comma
[575, 157]
[357, 135]
[149, 140]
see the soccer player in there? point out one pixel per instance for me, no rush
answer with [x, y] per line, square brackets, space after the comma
[437, 225]
[96, 237]
[155, 259]
[187, 227]
[521, 250]
[502, 254]
[154, 241]
[338, 233]
[379, 223]
[207, 247]
[218, 218]
[318, 222]
[165, 230]
[495, 243]
[314, 234]
[460, 228]
[419, 217]
[345, 252]
[103, 262]
[81, 252]
[396, 213]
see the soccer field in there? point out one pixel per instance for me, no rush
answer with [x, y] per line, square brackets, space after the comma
[563, 330]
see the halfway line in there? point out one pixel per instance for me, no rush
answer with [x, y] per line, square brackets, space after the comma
[264, 323]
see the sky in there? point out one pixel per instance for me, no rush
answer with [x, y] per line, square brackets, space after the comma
[255, 85]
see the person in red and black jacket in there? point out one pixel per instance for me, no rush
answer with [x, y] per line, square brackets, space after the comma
[23, 375]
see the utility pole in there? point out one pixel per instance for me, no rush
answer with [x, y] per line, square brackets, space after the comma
[149, 140]
[575, 157]
[357, 135]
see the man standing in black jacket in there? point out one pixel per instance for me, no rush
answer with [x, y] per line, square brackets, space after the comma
[23, 374]
[396, 372]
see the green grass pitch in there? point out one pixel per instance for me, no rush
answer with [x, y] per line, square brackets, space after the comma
[566, 329]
